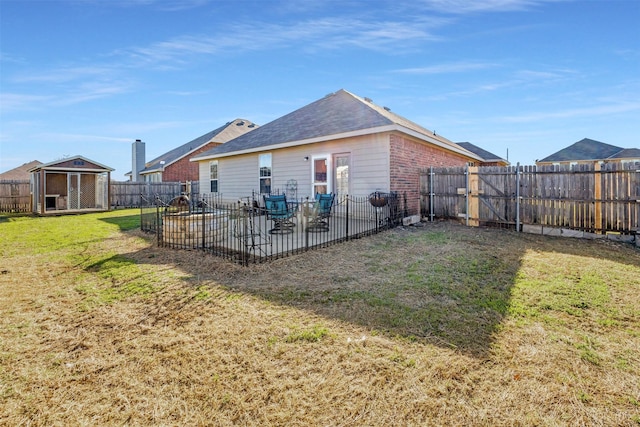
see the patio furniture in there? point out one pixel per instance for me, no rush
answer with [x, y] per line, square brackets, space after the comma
[318, 216]
[280, 212]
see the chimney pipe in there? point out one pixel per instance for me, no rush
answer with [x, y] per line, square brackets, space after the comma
[137, 160]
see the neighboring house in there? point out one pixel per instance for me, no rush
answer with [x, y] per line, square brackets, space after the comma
[21, 173]
[589, 151]
[341, 143]
[73, 184]
[174, 165]
[488, 158]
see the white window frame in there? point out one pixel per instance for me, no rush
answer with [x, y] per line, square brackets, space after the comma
[216, 178]
[329, 183]
[334, 172]
[270, 176]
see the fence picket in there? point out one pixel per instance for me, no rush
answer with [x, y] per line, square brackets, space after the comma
[591, 198]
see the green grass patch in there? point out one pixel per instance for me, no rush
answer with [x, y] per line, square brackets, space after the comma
[313, 334]
[60, 234]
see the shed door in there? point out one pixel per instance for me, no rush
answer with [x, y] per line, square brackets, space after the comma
[74, 190]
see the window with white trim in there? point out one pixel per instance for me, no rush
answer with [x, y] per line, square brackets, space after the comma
[264, 161]
[320, 177]
[213, 176]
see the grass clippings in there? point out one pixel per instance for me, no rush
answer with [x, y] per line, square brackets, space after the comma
[433, 325]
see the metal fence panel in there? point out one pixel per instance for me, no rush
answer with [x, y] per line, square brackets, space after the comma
[245, 232]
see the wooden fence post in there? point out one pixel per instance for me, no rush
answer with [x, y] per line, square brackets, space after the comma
[473, 211]
[597, 197]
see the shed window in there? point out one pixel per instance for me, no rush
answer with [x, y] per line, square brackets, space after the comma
[213, 176]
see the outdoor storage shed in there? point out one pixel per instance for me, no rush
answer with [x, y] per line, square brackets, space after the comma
[71, 185]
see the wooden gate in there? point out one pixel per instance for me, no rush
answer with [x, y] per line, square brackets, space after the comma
[591, 198]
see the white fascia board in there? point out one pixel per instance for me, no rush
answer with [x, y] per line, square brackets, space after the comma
[150, 171]
[73, 170]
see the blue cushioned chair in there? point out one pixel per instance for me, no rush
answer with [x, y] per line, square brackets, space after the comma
[319, 220]
[280, 212]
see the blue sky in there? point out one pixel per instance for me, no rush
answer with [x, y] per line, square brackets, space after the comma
[523, 77]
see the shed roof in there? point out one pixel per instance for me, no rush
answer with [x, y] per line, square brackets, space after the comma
[224, 133]
[336, 115]
[74, 163]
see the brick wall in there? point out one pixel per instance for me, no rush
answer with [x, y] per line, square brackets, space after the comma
[407, 158]
[184, 170]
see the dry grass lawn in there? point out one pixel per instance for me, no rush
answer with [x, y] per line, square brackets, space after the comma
[433, 325]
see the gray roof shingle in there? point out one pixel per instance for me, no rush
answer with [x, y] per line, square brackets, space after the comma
[627, 153]
[222, 134]
[486, 155]
[335, 114]
[585, 149]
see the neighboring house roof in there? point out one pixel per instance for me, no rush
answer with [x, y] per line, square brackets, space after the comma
[224, 133]
[486, 155]
[627, 153]
[60, 164]
[585, 149]
[337, 115]
[21, 173]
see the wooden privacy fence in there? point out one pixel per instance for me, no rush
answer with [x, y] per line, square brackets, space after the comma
[15, 196]
[592, 198]
[127, 194]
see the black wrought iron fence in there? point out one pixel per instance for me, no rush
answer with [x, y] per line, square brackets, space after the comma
[251, 230]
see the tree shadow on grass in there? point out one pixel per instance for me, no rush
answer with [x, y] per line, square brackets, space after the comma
[443, 284]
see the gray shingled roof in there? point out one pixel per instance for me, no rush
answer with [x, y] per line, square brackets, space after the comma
[627, 153]
[486, 155]
[585, 149]
[335, 114]
[222, 134]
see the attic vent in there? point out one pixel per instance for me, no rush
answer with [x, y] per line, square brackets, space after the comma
[240, 124]
[387, 108]
[368, 99]
[251, 125]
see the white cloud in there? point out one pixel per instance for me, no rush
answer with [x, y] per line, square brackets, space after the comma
[471, 6]
[595, 111]
[16, 101]
[327, 34]
[83, 138]
[453, 67]
[66, 74]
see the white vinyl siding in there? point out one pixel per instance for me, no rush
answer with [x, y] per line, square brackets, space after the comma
[369, 169]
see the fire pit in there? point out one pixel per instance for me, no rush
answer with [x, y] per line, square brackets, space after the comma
[378, 199]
